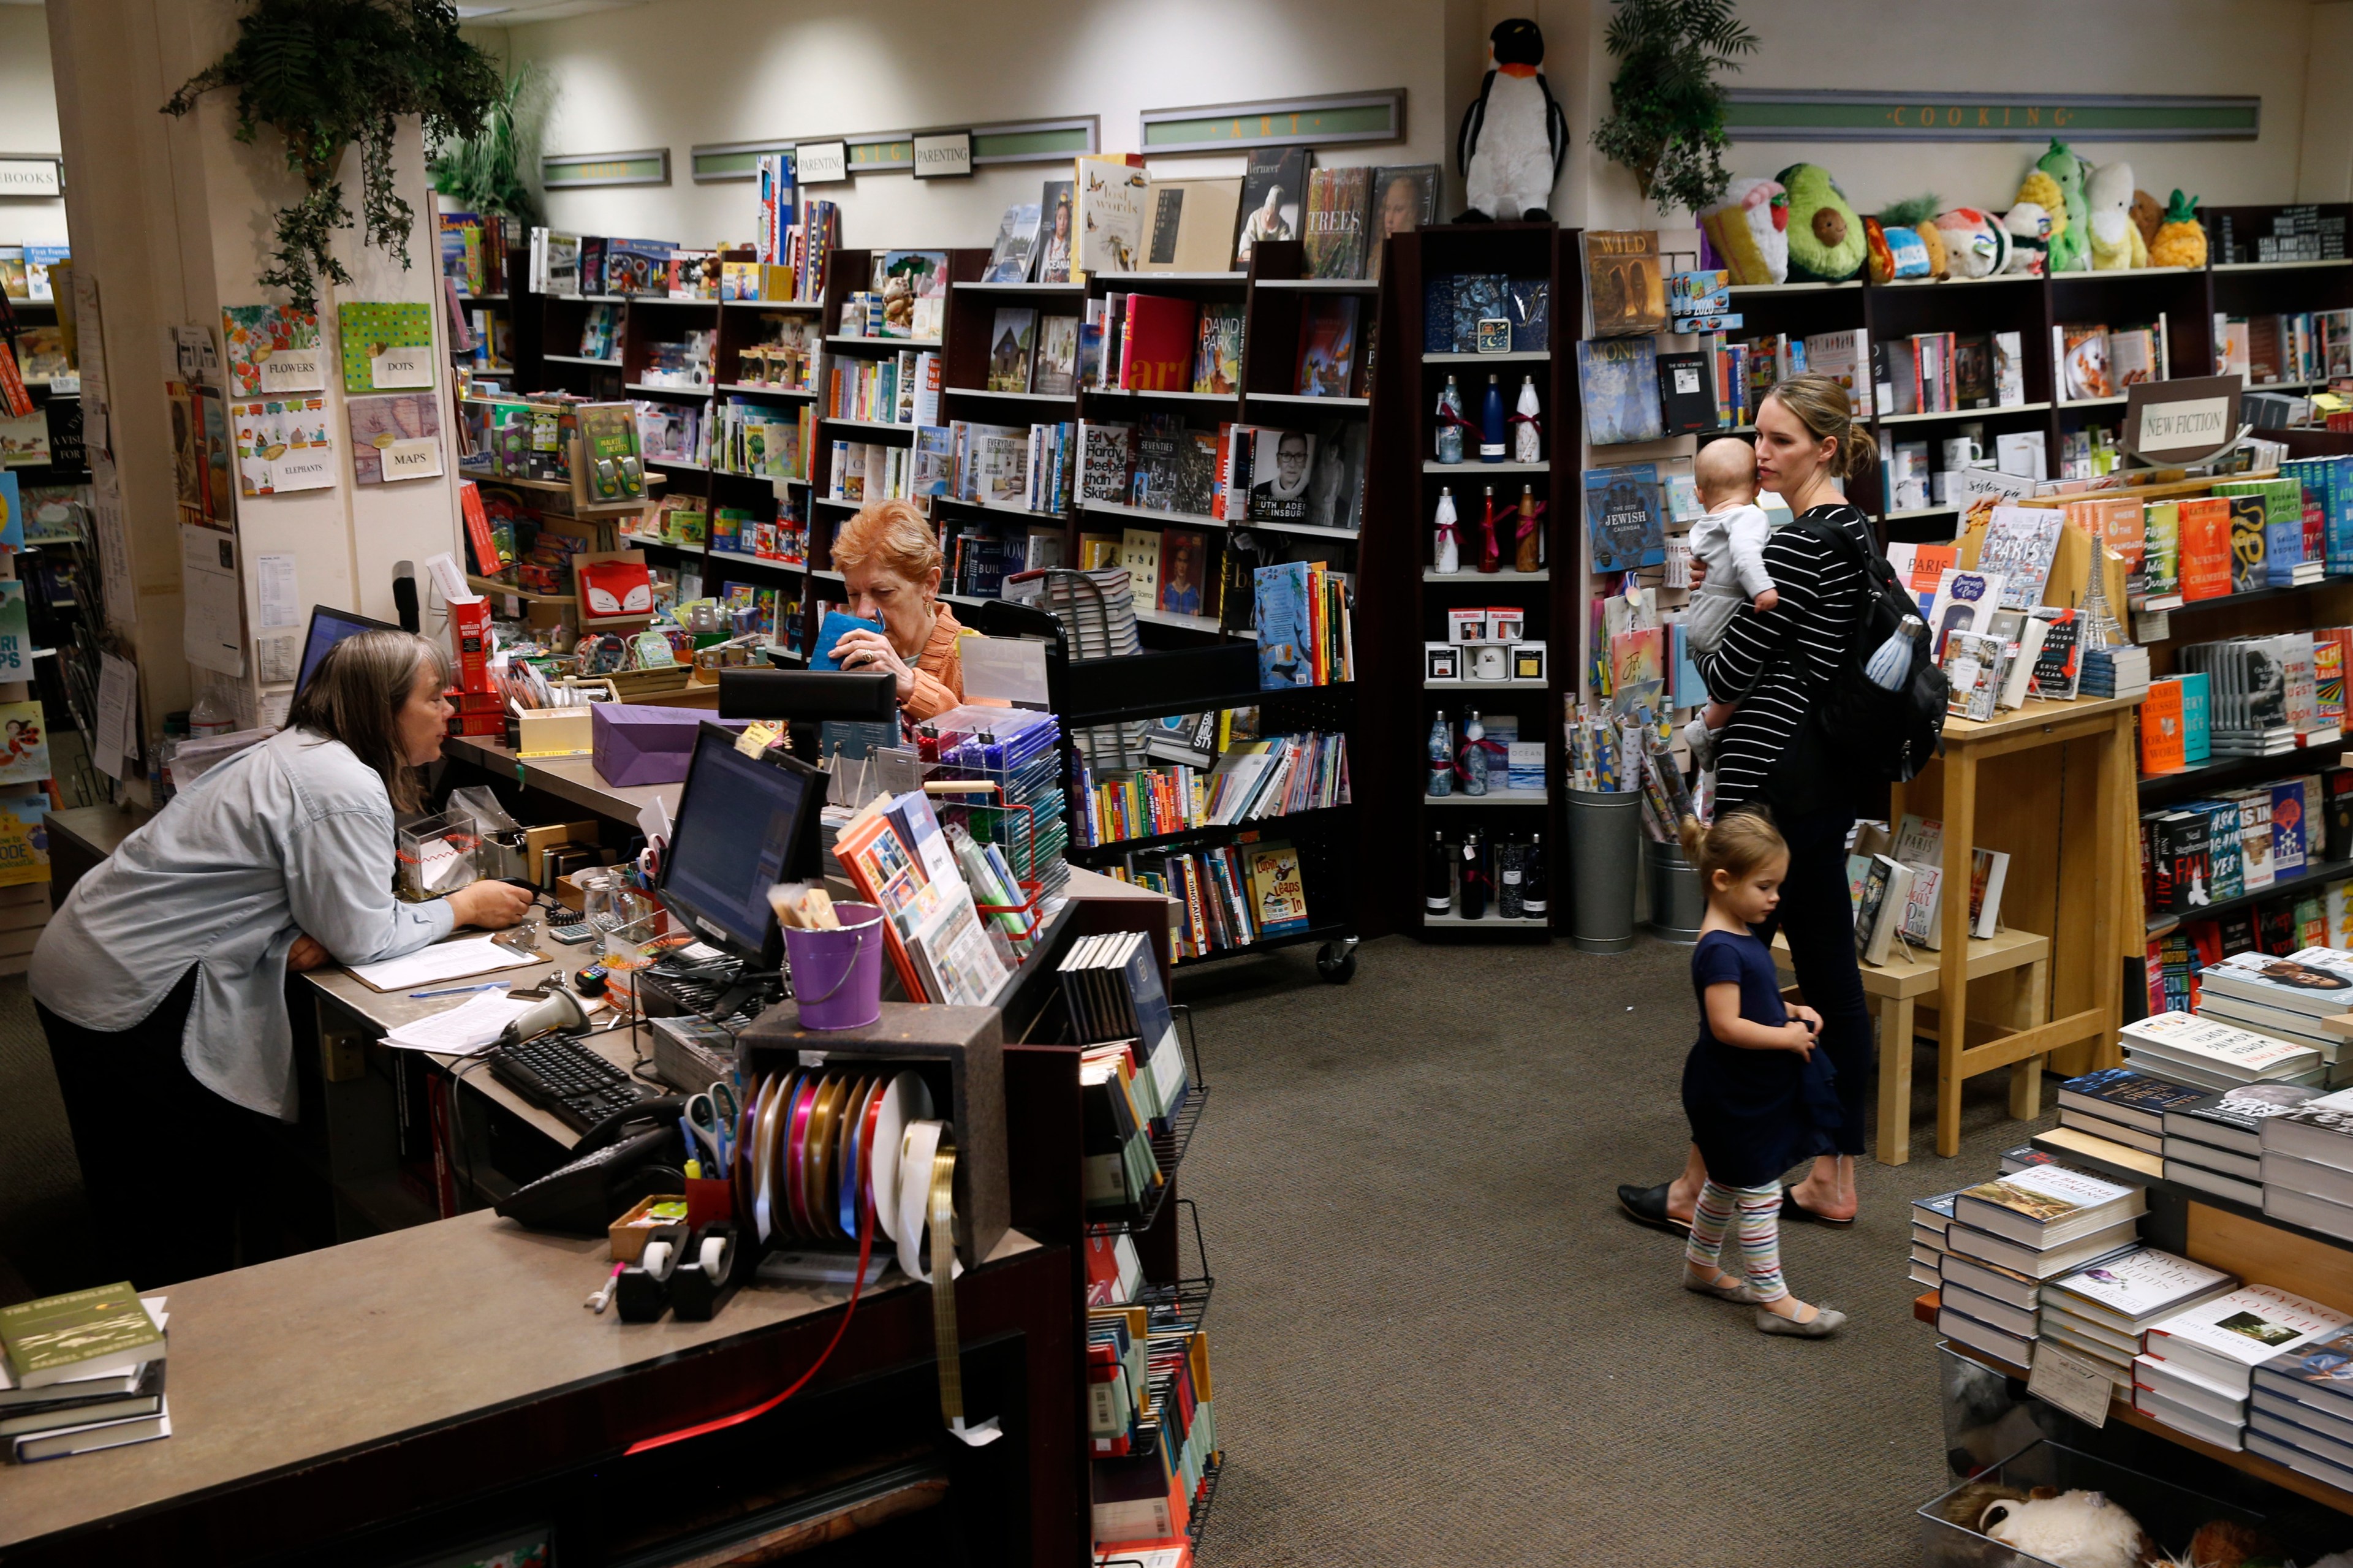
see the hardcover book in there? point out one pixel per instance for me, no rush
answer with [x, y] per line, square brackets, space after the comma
[1686, 385]
[1111, 215]
[1405, 198]
[1626, 289]
[2133, 1098]
[1012, 340]
[1618, 382]
[1017, 238]
[1274, 183]
[2205, 528]
[2047, 1204]
[1055, 372]
[1337, 207]
[2201, 1043]
[1328, 347]
[81, 1333]
[1192, 225]
[2138, 1287]
[1624, 517]
[2223, 1338]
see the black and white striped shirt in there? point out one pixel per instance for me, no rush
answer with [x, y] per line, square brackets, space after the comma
[1773, 663]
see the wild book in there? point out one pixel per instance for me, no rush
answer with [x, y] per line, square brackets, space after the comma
[1625, 288]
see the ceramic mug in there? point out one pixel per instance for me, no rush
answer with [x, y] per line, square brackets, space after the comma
[1963, 452]
[1490, 661]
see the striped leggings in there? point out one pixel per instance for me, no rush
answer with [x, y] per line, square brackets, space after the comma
[1759, 1212]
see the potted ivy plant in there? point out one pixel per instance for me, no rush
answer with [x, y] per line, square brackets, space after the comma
[327, 74]
[1666, 122]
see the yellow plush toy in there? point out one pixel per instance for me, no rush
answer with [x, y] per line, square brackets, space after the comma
[2044, 190]
[2181, 239]
[2115, 241]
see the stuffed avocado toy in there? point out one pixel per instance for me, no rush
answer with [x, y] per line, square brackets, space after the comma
[2181, 239]
[1750, 230]
[2062, 173]
[1826, 237]
[1975, 245]
[2115, 240]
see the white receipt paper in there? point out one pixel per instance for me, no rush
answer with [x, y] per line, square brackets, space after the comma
[118, 703]
[442, 961]
[464, 1028]
[275, 604]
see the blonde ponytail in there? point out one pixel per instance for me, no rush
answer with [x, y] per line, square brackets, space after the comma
[1822, 406]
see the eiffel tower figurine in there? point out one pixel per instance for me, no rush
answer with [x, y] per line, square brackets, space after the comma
[2100, 628]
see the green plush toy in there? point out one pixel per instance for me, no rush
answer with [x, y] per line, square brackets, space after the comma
[1826, 237]
[2071, 245]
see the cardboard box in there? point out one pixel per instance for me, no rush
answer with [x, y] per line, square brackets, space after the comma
[1467, 625]
[637, 744]
[469, 641]
[554, 732]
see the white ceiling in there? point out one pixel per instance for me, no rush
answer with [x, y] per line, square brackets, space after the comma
[516, 13]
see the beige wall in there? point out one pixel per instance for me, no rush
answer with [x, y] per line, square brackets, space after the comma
[28, 121]
[760, 69]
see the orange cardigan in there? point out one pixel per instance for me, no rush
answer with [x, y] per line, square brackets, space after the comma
[939, 670]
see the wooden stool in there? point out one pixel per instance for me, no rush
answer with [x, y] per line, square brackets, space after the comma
[1892, 992]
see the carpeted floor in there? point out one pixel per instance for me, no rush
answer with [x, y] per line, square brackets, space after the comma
[1436, 1340]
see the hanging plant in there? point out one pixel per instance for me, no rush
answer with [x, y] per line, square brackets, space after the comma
[1667, 119]
[485, 172]
[326, 74]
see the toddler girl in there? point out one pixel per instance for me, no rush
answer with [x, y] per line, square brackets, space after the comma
[1758, 1093]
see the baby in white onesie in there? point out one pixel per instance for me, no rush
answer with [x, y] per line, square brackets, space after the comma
[1731, 540]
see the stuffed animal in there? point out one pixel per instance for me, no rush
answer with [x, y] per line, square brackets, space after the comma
[2147, 212]
[1910, 221]
[1826, 238]
[1967, 1506]
[1878, 260]
[1513, 134]
[2116, 243]
[1750, 230]
[2181, 239]
[2029, 227]
[2225, 1543]
[2073, 1530]
[1975, 245]
[2070, 246]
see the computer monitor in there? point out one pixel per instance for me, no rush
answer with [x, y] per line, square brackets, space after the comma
[327, 628]
[744, 825]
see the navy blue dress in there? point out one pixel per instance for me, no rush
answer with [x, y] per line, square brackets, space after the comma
[1754, 1114]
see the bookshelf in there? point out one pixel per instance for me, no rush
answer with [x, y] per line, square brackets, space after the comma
[1401, 588]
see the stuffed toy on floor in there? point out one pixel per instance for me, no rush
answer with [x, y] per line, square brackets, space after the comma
[2181, 239]
[1750, 230]
[1826, 238]
[2116, 241]
[2073, 1530]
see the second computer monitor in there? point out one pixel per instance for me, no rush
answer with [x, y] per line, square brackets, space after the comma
[744, 825]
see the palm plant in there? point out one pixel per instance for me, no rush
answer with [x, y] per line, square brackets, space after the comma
[485, 172]
[1667, 119]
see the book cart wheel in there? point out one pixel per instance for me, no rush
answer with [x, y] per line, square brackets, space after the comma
[1336, 961]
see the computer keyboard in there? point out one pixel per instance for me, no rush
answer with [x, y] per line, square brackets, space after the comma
[575, 1084]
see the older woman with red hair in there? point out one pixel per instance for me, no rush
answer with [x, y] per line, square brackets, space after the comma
[891, 564]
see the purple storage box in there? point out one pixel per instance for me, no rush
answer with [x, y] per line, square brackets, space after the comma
[636, 743]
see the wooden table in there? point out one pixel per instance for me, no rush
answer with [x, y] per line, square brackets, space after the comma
[327, 1393]
[2053, 784]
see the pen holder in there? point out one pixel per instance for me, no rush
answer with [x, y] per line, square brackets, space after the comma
[709, 1201]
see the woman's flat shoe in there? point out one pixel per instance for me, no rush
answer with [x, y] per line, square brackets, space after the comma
[1792, 1209]
[1821, 1326]
[1744, 1293]
[1649, 1205]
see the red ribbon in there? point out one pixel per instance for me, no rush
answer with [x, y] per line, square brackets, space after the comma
[1528, 515]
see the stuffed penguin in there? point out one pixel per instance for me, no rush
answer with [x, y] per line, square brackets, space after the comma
[1515, 136]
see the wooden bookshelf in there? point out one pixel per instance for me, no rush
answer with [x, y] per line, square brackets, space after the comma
[1400, 588]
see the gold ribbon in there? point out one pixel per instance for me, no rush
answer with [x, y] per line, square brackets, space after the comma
[944, 1321]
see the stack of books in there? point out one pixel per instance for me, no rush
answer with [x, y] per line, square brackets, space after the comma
[2308, 1164]
[2300, 1410]
[2037, 1224]
[2100, 1313]
[2196, 1370]
[82, 1372]
[1931, 1218]
[2216, 1144]
[2285, 998]
[2115, 672]
[2187, 1048]
[2123, 1106]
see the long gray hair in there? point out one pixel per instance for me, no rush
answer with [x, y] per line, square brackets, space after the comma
[356, 694]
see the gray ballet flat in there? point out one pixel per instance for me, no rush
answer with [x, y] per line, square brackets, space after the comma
[1825, 1323]
[1744, 1293]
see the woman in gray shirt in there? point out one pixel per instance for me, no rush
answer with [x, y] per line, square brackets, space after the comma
[161, 984]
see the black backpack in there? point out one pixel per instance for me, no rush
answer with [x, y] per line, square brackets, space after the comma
[1891, 733]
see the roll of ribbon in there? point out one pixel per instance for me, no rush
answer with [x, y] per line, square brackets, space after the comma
[916, 1153]
[944, 1269]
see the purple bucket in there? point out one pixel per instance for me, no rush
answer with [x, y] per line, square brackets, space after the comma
[837, 975]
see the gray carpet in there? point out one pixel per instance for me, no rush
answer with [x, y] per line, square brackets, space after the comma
[1435, 1338]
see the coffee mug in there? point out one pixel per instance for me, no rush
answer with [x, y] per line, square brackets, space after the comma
[1490, 661]
[1963, 452]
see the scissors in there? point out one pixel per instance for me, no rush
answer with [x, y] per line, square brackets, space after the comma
[709, 1121]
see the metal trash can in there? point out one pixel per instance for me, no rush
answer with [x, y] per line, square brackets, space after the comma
[1603, 830]
[1678, 901]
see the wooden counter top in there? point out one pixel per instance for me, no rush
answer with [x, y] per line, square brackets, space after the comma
[288, 1363]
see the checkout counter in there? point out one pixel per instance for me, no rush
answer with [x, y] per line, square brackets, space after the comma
[432, 1388]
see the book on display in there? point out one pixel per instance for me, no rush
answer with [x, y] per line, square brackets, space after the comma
[2113, 1132]
[2315, 981]
[2222, 1161]
[2222, 1340]
[2016, 1349]
[2234, 1118]
[2121, 1095]
[2320, 1373]
[2048, 1206]
[2202, 1045]
[2302, 1208]
[2268, 1409]
[2303, 1430]
[2004, 1285]
[2128, 1292]
[2319, 1130]
[2039, 1263]
[2202, 1425]
[2023, 1322]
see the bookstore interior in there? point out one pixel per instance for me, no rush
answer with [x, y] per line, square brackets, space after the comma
[886, 675]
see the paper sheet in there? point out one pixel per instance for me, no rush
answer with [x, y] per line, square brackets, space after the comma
[277, 659]
[121, 600]
[276, 605]
[213, 635]
[118, 706]
[442, 961]
[464, 1028]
